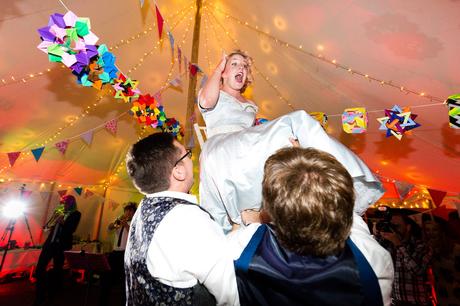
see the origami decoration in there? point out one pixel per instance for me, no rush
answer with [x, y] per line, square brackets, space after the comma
[354, 120]
[320, 117]
[397, 122]
[100, 69]
[67, 39]
[453, 102]
[148, 111]
[125, 88]
[173, 126]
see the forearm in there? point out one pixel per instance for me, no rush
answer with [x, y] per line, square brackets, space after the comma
[210, 93]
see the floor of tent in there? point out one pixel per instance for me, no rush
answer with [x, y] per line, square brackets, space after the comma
[21, 292]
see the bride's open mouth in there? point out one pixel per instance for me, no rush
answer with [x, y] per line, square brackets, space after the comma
[239, 77]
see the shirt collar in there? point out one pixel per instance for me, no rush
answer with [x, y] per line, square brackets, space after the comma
[174, 194]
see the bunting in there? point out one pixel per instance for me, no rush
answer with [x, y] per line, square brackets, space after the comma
[179, 58]
[38, 153]
[171, 42]
[62, 146]
[437, 196]
[111, 126]
[78, 190]
[44, 194]
[160, 21]
[403, 188]
[87, 137]
[12, 157]
[62, 192]
[88, 193]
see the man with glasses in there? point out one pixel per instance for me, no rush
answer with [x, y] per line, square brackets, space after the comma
[176, 254]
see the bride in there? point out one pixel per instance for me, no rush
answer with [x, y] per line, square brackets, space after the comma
[233, 157]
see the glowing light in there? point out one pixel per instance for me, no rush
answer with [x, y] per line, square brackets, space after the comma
[13, 209]
[320, 47]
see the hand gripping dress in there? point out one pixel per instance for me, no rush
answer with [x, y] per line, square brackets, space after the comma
[234, 154]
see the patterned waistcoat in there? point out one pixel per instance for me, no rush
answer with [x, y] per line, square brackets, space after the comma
[141, 287]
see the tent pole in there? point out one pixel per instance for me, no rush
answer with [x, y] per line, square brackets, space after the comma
[98, 228]
[192, 80]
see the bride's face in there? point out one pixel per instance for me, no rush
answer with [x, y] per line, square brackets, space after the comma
[236, 72]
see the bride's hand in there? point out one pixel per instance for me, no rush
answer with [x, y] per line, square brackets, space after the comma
[295, 142]
[223, 62]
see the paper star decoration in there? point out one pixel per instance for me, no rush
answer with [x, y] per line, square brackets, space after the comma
[321, 118]
[125, 88]
[354, 120]
[398, 121]
[453, 103]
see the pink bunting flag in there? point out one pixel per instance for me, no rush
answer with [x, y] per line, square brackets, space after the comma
[12, 157]
[111, 126]
[87, 137]
[158, 98]
[62, 192]
[62, 146]
[437, 196]
[160, 21]
[44, 194]
[26, 194]
[176, 82]
[88, 193]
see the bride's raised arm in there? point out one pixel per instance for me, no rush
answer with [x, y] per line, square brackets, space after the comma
[208, 96]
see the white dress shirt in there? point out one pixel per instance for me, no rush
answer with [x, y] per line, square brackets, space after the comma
[189, 247]
[378, 258]
[124, 237]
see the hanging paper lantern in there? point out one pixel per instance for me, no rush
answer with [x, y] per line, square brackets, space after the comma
[354, 120]
[321, 118]
[397, 122]
[453, 102]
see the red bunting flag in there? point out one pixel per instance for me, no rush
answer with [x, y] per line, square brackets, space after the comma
[62, 192]
[193, 69]
[160, 21]
[13, 156]
[437, 196]
[88, 193]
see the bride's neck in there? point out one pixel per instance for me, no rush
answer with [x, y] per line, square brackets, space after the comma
[232, 92]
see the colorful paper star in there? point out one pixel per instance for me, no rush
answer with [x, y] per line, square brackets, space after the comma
[397, 122]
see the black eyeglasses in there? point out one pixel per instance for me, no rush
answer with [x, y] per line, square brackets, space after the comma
[188, 153]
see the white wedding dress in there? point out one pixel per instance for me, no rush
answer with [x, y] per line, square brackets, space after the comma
[233, 157]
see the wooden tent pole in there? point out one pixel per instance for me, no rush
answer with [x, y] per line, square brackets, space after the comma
[192, 80]
[98, 227]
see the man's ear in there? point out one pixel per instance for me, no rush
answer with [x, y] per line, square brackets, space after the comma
[178, 172]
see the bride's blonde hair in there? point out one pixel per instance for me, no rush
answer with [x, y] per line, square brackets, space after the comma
[249, 78]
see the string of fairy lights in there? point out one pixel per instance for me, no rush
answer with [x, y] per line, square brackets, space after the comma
[321, 57]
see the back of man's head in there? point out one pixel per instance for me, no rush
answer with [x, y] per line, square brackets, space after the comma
[309, 197]
[150, 161]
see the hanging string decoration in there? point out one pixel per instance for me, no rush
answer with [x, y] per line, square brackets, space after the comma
[321, 118]
[125, 88]
[398, 121]
[100, 70]
[453, 102]
[68, 39]
[354, 120]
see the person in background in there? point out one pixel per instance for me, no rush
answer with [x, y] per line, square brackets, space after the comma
[411, 257]
[120, 229]
[233, 156]
[314, 250]
[61, 227]
[176, 254]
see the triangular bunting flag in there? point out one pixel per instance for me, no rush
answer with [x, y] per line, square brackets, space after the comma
[44, 194]
[88, 193]
[171, 42]
[179, 58]
[437, 196]
[176, 82]
[88, 137]
[62, 146]
[26, 194]
[158, 98]
[37, 153]
[111, 126]
[113, 205]
[193, 69]
[62, 192]
[13, 156]
[78, 190]
[142, 3]
[160, 21]
[403, 188]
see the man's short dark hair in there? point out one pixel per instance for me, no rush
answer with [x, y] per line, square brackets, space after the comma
[150, 161]
[309, 197]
